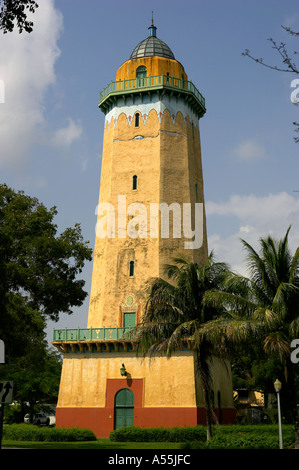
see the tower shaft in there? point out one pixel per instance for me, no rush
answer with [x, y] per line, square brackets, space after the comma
[152, 183]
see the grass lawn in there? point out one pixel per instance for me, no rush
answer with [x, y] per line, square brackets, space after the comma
[99, 444]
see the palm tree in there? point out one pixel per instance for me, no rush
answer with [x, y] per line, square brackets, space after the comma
[174, 314]
[262, 309]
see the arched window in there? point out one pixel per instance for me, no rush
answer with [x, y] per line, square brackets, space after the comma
[134, 185]
[137, 115]
[141, 72]
[131, 270]
[141, 76]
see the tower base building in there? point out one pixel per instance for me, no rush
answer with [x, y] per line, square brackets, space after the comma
[151, 208]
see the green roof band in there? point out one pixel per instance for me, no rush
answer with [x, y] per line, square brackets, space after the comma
[163, 83]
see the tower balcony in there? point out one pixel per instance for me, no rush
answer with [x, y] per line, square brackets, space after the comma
[95, 340]
[160, 84]
[81, 340]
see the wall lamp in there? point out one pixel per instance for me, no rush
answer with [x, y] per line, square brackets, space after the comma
[123, 371]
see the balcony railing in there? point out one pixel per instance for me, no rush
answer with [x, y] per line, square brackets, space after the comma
[92, 334]
[151, 83]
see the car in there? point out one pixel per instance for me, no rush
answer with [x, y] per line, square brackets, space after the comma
[38, 418]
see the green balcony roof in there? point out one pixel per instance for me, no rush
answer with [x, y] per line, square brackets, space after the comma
[160, 84]
[91, 334]
[100, 340]
[92, 340]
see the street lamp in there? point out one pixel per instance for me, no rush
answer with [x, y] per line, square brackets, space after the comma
[277, 386]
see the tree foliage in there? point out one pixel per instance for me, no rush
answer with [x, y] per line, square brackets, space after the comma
[289, 64]
[261, 311]
[174, 315]
[14, 13]
[38, 281]
[38, 268]
[35, 262]
[35, 375]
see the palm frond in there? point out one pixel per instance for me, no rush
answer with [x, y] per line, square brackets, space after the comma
[280, 301]
[258, 271]
[267, 318]
[229, 302]
[277, 343]
[293, 328]
[226, 334]
[182, 334]
[173, 271]
[294, 269]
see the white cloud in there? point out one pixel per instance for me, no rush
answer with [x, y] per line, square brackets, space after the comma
[249, 150]
[291, 21]
[27, 70]
[257, 217]
[67, 135]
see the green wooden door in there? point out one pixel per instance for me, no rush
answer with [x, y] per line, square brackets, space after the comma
[124, 408]
[129, 319]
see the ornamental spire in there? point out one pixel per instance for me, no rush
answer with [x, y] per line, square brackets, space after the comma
[153, 28]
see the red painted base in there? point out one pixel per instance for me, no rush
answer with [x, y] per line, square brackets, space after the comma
[101, 420]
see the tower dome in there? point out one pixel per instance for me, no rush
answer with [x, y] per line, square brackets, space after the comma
[152, 46]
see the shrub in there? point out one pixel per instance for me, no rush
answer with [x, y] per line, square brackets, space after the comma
[246, 437]
[159, 434]
[255, 436]
[30, 432]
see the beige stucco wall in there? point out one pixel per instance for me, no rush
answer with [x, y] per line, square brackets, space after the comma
[154, 65]
[167, 382]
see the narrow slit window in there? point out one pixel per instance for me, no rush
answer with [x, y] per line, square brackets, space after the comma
[196, 191]
[134, 184]
[137, 120]
[131, 270]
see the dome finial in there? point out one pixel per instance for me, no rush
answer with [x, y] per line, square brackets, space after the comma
[153, 28]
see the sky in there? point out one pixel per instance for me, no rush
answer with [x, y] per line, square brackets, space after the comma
[51, 128]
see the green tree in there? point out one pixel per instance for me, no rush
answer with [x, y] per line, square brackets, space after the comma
[38, 268]
[35, 375]
[262, 311]
[14, 13]
[174, 315]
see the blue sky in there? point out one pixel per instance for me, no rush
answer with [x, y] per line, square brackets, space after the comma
[51, 128]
